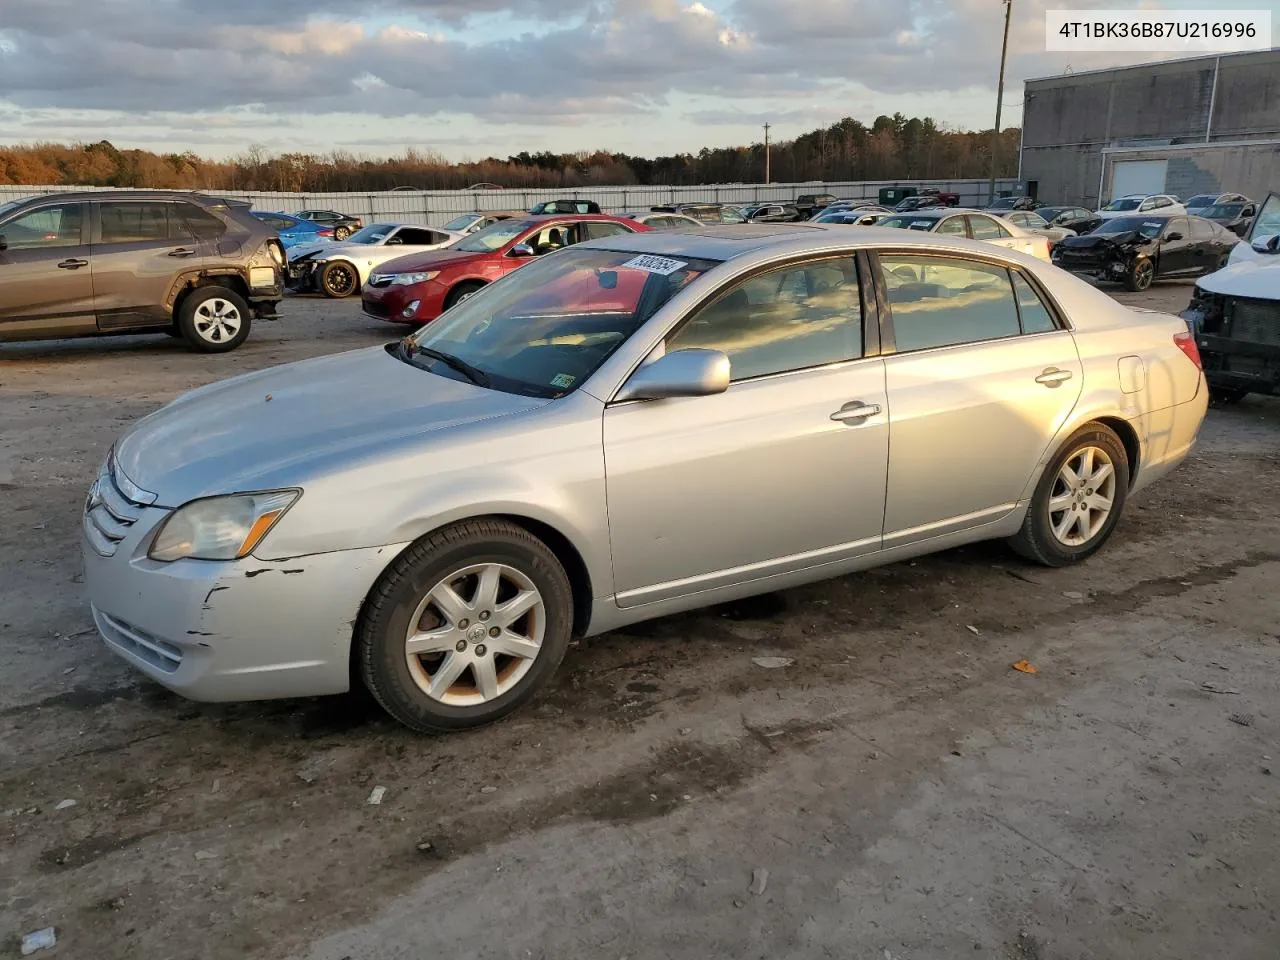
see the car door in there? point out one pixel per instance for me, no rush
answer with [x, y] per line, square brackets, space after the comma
[981, 377]
[141, 249]
[46, 288]
[783, 471]
[1205, 240]
[1178, 253]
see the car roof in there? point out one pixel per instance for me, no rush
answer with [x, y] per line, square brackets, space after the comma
[71, 195]
[724, 243]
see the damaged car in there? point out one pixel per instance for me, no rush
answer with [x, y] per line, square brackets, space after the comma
[340, 269]
[1235, 314]
[1137, 251]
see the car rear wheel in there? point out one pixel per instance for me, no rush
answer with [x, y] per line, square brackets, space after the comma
[467, 625]
[1078, 501]
[341, 232]
[338, 279]
[214, 319]
[461, 292]
[1140, 275]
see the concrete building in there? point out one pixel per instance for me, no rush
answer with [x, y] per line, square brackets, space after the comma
[1200, 125]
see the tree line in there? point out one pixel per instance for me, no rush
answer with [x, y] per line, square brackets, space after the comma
[891, 148]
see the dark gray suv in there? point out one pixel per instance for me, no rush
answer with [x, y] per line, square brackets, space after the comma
[133, 261]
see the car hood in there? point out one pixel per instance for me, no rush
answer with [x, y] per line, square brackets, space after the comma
[437, 259]
[1090, 241]
[282, 426]
[1257, 279]
[329, 248]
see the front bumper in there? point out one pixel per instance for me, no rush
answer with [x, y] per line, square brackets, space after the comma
[390, 302]
[1099, 268]
[224, 631]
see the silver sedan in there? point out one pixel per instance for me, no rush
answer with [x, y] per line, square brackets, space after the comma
[624, 429]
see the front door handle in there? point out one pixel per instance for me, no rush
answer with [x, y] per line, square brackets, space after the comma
[182, 252]
[72, 264]
[1053, 377]
[855, 411]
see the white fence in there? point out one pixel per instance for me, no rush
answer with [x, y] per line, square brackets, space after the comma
[437, 206]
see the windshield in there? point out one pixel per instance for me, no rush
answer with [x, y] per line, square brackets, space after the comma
[1202, 200]
[1004, 203]
[544, 329]
[1052, 213]
[461, 223]
[1222, 211]
[1143, 225]
[493, 237]
[912, 222]
[1267, 223]
[732, 215]
[1124, 203]
[373, 233]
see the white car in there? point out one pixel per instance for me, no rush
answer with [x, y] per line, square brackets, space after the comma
[1203, 201]
[1135, 204]
[340, 269]
[959, 222]
[1265, 225]
[1034, 224]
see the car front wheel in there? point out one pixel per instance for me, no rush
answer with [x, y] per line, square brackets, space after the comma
[1140, 275]
[467, 625]
[338, 279]
[1078, 501]
[214, 319]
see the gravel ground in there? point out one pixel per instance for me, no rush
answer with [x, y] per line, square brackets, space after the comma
[908, 794]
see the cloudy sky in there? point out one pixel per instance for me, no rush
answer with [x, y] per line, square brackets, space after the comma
[471, 78]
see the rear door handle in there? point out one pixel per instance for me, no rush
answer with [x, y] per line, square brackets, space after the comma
[855, 411]
[182, 252]
[1053, 377]
[72, 264]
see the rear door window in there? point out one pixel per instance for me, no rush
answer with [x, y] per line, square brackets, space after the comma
[986, 228]
[941, 301]
[952, 227]
[132, 221]
[596, 229]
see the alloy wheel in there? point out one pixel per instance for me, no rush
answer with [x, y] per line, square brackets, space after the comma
[475, 634]
[339, 280]
[1082, 497]
[217, 320]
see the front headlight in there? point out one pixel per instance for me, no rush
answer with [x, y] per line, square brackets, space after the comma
[406, 279]
[220, 528]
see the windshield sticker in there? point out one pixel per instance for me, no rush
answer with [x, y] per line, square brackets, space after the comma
[1152, 223]
[662, 266]
[921, 223]
[563, 380]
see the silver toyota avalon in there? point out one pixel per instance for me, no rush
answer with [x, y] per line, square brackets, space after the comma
[621, 430]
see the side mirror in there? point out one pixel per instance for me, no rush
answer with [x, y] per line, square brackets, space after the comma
[1268, 244]
[522, 250]
[1175, 235]
[4, 244]
[684, 373]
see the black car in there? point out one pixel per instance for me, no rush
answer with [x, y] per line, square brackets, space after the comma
[772, 213]
[928, 201]
[343, 225]
[1073, 218]
[810, 203]
[1012, 203]
[565, 206]
[1234, 216]
[1137, 250]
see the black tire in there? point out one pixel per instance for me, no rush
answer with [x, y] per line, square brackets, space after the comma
[338, 279]
[1140, 275]
[461, 292]
[208, 315]
[383, 625]
[341, 232]
[1036, 540]
[1226, 397]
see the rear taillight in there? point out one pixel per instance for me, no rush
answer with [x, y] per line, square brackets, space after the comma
[325, 232]
[1187, 344]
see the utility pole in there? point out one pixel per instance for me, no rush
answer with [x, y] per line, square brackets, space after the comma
[766, 153]
[995, 134]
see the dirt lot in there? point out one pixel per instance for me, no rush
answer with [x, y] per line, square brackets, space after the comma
[909, 794]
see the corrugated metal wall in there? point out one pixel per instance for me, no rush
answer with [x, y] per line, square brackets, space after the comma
[412, 206]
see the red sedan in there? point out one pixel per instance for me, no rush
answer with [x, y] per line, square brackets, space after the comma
[420, 287]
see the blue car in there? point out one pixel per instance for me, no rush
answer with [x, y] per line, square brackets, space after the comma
[294, 230]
